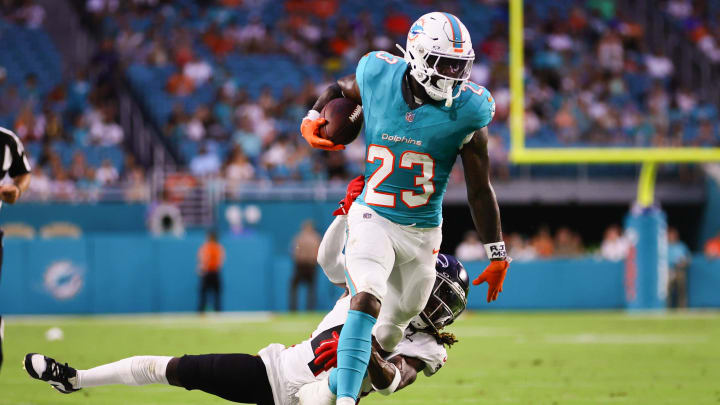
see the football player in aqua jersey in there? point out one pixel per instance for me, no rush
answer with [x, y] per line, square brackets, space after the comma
[420, 112]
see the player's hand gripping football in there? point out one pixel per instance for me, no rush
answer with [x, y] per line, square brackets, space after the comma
[354, 189]
[327, 353]
[310, 130]
[494, 274]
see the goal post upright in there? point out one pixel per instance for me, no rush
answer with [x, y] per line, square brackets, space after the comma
[646, 266]
[517, 85]
[520, 154]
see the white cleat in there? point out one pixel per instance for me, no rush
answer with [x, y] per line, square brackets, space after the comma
[316, 393]
[61, 376]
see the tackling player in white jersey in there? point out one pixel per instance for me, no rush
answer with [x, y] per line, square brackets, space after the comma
[279, 374]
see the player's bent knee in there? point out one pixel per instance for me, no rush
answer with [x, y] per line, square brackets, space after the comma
[367, 303]
[414, 304]
[388, 336]
[417, 307]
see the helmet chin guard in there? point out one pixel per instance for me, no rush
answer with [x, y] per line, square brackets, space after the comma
[420, 324]
[440, 55]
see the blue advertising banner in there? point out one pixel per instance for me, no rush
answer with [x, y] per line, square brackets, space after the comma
[136, 273]
[46, 276]
[553, 284]
[106, 216]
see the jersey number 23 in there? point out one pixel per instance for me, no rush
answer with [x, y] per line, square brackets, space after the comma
[408, 160]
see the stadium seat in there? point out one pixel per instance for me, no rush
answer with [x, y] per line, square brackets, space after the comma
[60, 230]
[18, 230]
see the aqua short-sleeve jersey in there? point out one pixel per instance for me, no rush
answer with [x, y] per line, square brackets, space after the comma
[410, 153]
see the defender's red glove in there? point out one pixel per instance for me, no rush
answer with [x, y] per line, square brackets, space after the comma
[494, 274]
[354, 189]
[310, 130]
[327, 353]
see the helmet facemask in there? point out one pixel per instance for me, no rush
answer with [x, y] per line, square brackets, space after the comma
[448, 73]
[441, 75]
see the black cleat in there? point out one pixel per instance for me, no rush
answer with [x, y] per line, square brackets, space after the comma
[61, 376]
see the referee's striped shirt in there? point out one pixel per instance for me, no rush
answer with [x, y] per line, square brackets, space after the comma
[13, 160]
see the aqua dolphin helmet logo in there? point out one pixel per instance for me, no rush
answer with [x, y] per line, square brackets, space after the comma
[416, 29]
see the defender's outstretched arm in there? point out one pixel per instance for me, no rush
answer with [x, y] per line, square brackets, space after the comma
[390, 375]
[330, 254]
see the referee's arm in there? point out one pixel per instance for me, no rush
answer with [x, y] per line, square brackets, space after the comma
[19, 171]
[12, 192]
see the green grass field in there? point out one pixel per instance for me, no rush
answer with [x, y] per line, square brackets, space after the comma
[502, 358]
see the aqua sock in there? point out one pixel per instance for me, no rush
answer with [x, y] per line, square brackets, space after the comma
[353, 353]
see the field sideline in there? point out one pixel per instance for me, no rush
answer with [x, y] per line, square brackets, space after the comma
[502, 358]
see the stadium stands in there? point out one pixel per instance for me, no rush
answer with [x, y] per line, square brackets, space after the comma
[700, 23]
[67, 125]
[233, 82]
[263, 57]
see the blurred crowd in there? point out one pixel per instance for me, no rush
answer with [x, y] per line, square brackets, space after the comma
[700, 19]
[236, 77]
[64, 126]
[595, 82]
[543, 245]
[242, 135]
[591, 78]
[68, 126]
[566, 243]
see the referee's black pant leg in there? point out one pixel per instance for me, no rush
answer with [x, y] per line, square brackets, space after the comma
[2, 325]
[235, 377]
[2, 332]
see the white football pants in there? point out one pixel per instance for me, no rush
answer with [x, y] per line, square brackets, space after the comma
[395, 263]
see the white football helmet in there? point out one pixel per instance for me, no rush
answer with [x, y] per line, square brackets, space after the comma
[440, 55]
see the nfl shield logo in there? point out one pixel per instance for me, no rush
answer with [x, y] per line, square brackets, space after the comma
[409, 116]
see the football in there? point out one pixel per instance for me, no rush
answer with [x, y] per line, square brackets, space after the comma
[344, 121]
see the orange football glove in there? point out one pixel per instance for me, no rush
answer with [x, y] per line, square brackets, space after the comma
[494, 274]
[310, 130]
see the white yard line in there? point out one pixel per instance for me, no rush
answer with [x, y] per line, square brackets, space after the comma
[153, 319]
[622, 339]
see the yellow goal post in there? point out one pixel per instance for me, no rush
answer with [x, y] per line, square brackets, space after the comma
[519, 154]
